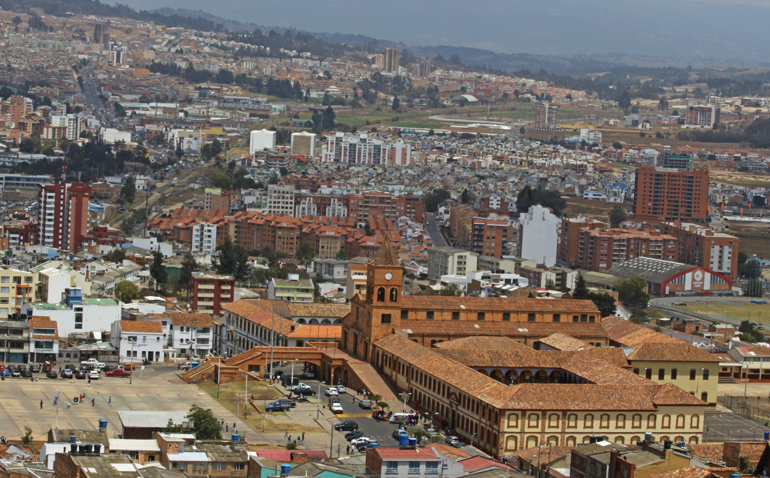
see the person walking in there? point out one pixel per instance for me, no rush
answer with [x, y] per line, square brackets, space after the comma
[41, 404]
[93, 402]
[303, 433]
[110, 400]
[286, 433]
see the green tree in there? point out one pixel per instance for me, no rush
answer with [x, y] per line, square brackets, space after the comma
[432, 199]
[581, 289]
[633, 292]
[396, 103]
[617, 145]
[744, 465]
[126, 291]
[305, 252]
[328, 118]
[188, 267]
[26, 439]
[342, 255]
[225, 76]
[16, 20]
[205, 425]
[742, 257]
[750, 269]
[753, 288]
[233, 260]
[269, 254]
[550, 284]
[624, 100]
[616, 216]
[116, 255]
[604, 302]
[158, 270]
[128, 225]
[128, 191]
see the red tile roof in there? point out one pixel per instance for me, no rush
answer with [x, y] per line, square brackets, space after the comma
[405, 453]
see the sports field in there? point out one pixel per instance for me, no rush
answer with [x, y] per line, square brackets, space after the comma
[743, 311]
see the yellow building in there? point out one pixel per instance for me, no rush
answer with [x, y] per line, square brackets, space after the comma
[16, 288]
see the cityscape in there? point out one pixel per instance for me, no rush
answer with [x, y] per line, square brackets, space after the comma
[234, 250]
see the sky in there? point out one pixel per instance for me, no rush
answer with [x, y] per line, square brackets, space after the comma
[721, 29]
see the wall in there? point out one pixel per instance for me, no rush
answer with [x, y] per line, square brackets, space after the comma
[696, 387]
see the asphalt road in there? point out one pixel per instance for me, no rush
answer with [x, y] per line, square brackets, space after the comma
[435, 234]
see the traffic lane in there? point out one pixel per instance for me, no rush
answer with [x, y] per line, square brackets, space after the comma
[380, 431]
[435, 235]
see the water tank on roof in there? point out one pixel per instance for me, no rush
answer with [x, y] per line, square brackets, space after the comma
[285, 469]
[412, 441]
[403, 439]
[235, 438]
[102, 424]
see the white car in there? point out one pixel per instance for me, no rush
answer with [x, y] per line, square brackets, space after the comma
[337, 408]
[331, 392]
[341, 389]
[360, 441]
[93, 375]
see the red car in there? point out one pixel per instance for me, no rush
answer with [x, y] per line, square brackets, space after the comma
[118, 372]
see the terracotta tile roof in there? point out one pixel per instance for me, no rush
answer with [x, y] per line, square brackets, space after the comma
[319, 332]
[689, 472]
[318, 310]
[710, 452]
[555, 452]
[141, 326]
[507, 329]
[639, 395]
[442, 449]
[186, 320]
[630, 334]
[43, 322]
[499, 303]
[242, 307]
[478, 463]
[485, 343]
[561, 341]
[675, 352]
[404, 453]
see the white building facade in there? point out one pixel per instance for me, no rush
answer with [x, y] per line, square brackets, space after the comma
[539, 231]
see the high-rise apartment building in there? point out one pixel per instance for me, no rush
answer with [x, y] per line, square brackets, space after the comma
[701, 116]
[538, 235]
[599, 250]
[382, 205]
[216, 199]
[392, 58]
[667, 194]
[365, 149]
[702, 246]
[545, 116]
[450, 261]
[568, 245]
[63, 215]
[490, 237]
[304, 144]
[18, 107]
[204, 238]
[280, 200]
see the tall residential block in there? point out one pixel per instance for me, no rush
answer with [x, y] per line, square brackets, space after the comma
[261, 140]
[63, 215]
[702, 246]
[545, 116]
[538, 236]
[392, 58]
[667, 194]
[568, 244]
[701, 116]
[444, 261]
[304, 144]
[365, 149]
[599, 250]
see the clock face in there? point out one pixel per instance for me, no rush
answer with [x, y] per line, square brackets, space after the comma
[698, 275]
[388, 276]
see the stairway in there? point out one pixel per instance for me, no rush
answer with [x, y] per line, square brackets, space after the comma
[726, 380]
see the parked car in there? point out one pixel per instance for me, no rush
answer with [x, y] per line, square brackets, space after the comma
[70, 366]
[51, 374]
[34, 368]
[305, 392]
[275, 407]
[360, 441]
[370, 444]
[331, 391]
[337, 408]
[66, 373]
[353, 435]
[131, 366]
[341, 389]
[453, 441]
[91, 361]
[366, 404]
[118, 372]
[15, 372]
[26, 372]
[93, 375]
[398, 432]
[347, 425]
[287, 403]
[108, 368]
[309, 374]
[81, 375]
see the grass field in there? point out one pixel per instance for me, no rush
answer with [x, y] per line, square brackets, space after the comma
[597, 209]
[755, 312]
[754, 236]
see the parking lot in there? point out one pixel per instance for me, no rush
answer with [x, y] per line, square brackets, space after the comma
[154, 388]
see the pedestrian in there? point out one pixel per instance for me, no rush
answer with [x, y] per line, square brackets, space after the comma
[89, 382]
[303, 433]
[289, 438]
[227, 427]
[93, 402]
[110, 400]
[286, 433]
[347, 450]
[234, 425]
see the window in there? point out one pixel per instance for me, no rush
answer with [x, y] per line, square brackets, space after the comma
[4, 290]
[674, 374]
[557, 317]
[455, 316]
[575, 318]
[134, 455]
[592, 319]
[648, 374]
[132, 338]
[429, 315]
[385, 318]
[381, 294]
[414, 467]
[404, 314]
[431, 468]
[531, 317]
[391, 467]
[5, 280]
[583, 317]
[692, 374]
[704, 396]
[481, 316]
[218, 466]
[506, 316]
[662, 374]
[239, 466]
[705, 374]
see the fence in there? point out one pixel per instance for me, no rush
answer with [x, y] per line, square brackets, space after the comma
[749, 407]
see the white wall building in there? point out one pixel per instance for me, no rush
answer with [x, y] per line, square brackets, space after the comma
[539, 232]
[78, 314]
[280, 200]
[261, 140]
[590, 136]
[304, 144]
[204, 238]
[152, 244]
[112, 135]
[138, 340]
[450, 261]
[363, 149]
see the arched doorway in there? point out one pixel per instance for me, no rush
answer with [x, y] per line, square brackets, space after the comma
[541, 376]
[497, 375]
[556, 377]
[511, 377]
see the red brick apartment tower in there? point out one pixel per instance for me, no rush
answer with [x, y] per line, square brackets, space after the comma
[664, 194]
[63, 215]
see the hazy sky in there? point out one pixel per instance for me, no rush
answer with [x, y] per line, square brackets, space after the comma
[726, 29]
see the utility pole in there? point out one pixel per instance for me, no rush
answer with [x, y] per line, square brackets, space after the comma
[272, 341]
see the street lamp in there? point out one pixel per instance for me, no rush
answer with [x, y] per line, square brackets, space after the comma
[405, 396]
[292, 371]
[245, 393]
[238, 410]
[131, 373]
[318, 405]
